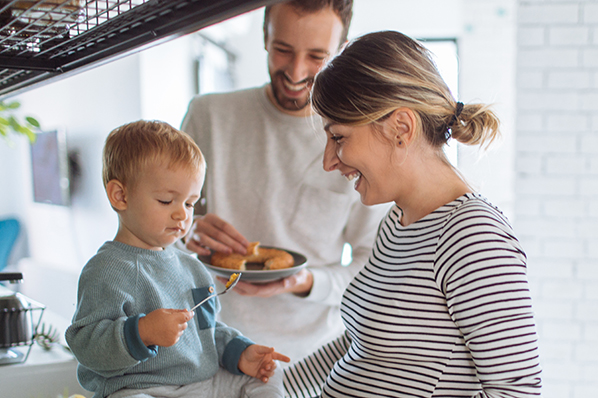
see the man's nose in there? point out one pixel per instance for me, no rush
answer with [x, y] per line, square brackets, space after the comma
[298, 69]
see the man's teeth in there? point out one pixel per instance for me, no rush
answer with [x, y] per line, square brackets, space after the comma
[352, 176]
[294, 87]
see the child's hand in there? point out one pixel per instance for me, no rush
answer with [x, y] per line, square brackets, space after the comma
[163, 327]
[258, 361]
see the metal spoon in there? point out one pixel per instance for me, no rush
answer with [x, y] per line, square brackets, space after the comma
[229, 285]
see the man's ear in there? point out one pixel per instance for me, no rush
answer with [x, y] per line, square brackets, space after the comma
[265, 31]
[117, 195]
[403, 123]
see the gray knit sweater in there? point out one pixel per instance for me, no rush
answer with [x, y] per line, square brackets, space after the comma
[119, 285]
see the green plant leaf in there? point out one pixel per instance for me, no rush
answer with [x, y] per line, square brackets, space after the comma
[29, 134]
[12, 122]
[24, 130]
[32, 121]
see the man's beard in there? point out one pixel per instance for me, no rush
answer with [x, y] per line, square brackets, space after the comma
[288, 103]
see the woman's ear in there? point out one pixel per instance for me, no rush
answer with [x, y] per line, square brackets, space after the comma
[403, 122]
[116, 195]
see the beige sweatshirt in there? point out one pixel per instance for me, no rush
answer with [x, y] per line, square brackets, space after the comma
[265, 177]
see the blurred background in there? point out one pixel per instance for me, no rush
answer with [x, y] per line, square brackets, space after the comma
[536, 61]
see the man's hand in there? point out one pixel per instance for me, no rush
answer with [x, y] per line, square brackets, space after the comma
[212, 232]
[299, 284]
[163, 327]
[258, 361]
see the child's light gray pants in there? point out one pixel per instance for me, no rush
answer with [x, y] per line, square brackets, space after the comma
[223, 385]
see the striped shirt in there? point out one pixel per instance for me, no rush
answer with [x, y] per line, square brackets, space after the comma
[442, 309]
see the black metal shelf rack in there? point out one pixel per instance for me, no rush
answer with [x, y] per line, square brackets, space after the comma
[45, 40]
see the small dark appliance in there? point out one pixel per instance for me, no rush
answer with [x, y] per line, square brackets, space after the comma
[17, 326]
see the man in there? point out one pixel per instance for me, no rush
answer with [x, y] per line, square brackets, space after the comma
[265, 182]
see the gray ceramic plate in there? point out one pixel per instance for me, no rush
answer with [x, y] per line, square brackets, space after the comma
[254, 274]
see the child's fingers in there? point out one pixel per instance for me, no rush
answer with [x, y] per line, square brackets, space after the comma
[280, 357]
[267, 370]
[188, 315]
[183, 315]
[269, 367]
[263, 350]
[263, 374]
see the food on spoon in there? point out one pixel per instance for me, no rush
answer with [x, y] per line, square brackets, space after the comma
[272, 259]
[232, 279]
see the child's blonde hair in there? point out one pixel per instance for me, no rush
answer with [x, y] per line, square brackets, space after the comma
[130, 147]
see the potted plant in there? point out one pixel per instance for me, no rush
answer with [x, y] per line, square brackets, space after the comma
[11, 123]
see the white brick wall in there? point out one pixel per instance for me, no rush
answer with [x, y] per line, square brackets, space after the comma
[556, 185]
[487, 49]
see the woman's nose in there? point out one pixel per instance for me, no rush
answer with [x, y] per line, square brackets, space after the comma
[330, 157]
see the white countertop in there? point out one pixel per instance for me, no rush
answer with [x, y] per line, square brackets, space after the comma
[45, 374]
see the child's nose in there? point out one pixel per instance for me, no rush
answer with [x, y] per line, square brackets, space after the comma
[180, 213]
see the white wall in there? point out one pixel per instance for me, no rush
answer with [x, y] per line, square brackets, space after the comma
[87, 106]
[165, 74]
[487, 52]
[557, 185]
[244, 36]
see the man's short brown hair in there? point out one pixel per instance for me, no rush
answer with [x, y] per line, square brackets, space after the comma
[131, 147]
[342, 8]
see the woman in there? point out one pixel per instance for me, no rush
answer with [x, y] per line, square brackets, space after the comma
[442, 308]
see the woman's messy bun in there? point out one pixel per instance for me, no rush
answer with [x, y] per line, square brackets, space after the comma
[383, 71]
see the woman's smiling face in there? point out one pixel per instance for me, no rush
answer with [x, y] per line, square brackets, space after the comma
[362, 154]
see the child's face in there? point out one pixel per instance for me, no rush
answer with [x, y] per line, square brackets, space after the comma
[159, 207]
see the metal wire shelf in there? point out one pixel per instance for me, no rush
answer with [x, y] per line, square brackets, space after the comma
[43, 40]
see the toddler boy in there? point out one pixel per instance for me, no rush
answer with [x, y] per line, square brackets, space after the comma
[131, 332]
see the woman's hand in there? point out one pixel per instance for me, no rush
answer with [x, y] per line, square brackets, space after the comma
[258, 361]
[212, 232]
[163, 327]
[299, 284]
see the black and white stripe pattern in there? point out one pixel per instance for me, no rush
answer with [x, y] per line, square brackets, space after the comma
[442, 309]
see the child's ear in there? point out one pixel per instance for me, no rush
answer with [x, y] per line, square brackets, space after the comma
[116, 194]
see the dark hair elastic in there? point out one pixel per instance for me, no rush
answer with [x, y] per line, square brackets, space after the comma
[454, 118]
[458, 111]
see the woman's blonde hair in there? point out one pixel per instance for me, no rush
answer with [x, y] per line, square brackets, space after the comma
[383, 71]
[129, 148]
